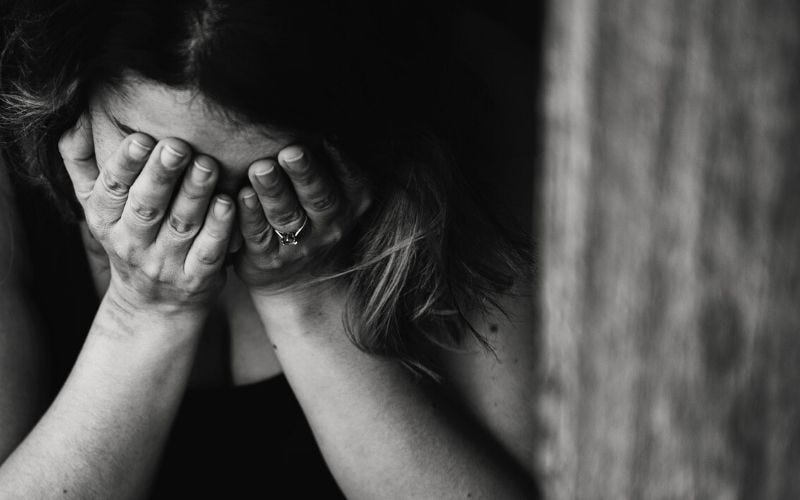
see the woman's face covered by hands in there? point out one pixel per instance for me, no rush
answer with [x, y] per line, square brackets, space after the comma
[159, 111]
[147, 160]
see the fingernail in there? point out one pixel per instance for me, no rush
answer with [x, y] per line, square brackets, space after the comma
[263, 170]
[137, 150]
[200, 172]
[293, 155]
[221, 207]
[250, 201]
[171, 157]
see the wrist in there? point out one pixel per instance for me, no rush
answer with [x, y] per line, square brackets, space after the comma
[160, 324]
[306, 311]
[120, 301]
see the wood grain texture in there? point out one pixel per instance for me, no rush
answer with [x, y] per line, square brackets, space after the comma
[671, 249]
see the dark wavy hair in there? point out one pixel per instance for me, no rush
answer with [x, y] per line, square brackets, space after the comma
[375, 78]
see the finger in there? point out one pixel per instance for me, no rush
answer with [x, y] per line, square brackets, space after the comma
[354, 183]
[110, 192]
[190, 205]
[76, 147]
[277, 197]
[315, 190]
[150, 194]
[208, 250]
[257, 235]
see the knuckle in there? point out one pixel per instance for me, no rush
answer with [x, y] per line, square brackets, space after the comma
[208, 256]
[113, 185]
[287, 218]
[152, 270]
[124, 251]
[275, 190]
[194, 286]
[258, 236]
[144, 212]
[83, 190]
[251, 228]
[325, 202]
[182, 226]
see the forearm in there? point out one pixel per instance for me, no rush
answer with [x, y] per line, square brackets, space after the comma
[381, 433]
[103, 434]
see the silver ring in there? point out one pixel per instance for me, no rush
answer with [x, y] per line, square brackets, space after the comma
[291, 237]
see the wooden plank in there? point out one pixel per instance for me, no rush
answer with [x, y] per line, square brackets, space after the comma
[671, 237]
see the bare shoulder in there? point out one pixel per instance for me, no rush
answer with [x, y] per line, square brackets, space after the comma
[497, 385]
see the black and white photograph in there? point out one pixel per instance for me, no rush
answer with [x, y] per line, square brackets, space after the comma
[378, 250]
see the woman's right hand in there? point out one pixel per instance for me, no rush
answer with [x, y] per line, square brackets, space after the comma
[166, 252]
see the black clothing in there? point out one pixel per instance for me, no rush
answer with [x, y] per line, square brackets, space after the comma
[250, 441]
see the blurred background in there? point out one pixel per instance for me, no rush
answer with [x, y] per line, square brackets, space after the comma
[668, 221]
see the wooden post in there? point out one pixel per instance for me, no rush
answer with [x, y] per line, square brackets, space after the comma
[670, 227]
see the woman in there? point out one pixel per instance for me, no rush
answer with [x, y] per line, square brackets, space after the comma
[301, 143]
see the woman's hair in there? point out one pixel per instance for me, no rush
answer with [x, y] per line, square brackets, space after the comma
[375, 78]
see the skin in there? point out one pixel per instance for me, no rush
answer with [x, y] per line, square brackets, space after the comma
[382, 433]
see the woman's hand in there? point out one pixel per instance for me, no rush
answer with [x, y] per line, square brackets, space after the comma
[166, 253]
[295, 195]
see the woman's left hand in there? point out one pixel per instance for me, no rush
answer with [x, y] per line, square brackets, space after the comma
[294, 211]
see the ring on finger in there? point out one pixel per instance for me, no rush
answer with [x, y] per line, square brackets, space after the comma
[291, 237]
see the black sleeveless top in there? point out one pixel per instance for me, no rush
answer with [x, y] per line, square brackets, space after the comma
[234, 442]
